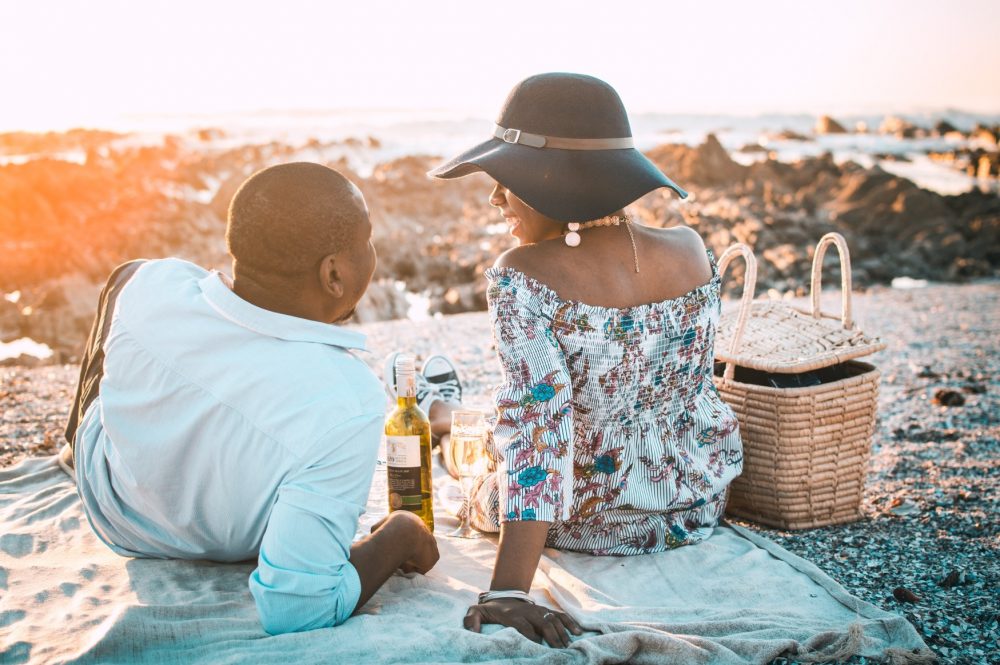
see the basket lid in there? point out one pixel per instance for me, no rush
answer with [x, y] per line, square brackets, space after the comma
[775, 336]
[784, 339]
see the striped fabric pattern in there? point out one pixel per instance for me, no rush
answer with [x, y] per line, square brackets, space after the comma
[608, 422]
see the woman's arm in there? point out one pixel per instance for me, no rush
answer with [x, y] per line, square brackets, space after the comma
[521, 545]
[533, 438]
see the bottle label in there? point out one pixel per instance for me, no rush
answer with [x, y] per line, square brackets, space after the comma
[402, 455]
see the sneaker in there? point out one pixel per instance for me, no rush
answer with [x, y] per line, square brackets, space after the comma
[425, 391]
[441, 374]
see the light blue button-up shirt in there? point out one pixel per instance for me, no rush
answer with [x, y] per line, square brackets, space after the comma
[225, 431]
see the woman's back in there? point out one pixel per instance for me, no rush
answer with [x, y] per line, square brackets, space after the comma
[621, 390]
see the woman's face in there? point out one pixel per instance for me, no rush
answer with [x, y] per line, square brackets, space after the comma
[526, 224]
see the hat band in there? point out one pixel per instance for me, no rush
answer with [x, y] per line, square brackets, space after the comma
[560, 143]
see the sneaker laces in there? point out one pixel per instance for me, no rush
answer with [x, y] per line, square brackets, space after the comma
[423, 386]
[450, 390]
[425, 389]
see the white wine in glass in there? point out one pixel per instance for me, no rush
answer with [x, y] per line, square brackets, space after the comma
[467, 451]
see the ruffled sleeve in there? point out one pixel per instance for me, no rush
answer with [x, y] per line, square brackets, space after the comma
[533, 434]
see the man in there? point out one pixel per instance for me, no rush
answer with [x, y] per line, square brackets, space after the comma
[223, 420]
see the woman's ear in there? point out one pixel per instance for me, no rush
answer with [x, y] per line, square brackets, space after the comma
[329, 276]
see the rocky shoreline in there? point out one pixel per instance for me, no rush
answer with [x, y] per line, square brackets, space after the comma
[65, 224]
[928, 546]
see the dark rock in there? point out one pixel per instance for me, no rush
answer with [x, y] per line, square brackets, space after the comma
[224, 195]
[62, 315]
[383, 301]
[462, 298]
[942, 127]
[10, 320]
[22, 360]
[708, 164]
[952, 579]
[963, 268]
[827, 125]
[899, 127]
[989, 135]
[210, 134]
[945, 397]
[904, 595]
[890, 157]
[789, 135]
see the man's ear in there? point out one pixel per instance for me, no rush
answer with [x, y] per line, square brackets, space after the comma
[330, 277]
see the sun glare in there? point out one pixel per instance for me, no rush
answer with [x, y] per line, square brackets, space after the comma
[101, 63]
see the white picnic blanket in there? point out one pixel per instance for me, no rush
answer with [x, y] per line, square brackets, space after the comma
[735, 598]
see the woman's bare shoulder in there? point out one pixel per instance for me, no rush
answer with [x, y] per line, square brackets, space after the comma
[686, 250]
[684, 238]
[524, 258]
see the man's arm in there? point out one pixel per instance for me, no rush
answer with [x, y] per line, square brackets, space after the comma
[401, 540]
[308, 574]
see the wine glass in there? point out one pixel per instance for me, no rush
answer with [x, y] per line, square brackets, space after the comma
[467, 453]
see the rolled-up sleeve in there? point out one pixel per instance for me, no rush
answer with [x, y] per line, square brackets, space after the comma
[304, 578]
[533, 433]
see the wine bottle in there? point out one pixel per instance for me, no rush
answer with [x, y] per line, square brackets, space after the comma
[408, 448]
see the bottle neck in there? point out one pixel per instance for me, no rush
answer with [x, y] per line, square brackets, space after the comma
[406, 389]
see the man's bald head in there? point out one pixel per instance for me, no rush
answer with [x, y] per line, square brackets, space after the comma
[284, 219]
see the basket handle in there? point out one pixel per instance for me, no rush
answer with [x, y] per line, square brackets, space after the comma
[749, 286]
[845, 277]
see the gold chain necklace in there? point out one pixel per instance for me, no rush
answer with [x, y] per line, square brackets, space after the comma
[573, 237]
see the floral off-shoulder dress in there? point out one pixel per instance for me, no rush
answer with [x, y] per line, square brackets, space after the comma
[608, 423]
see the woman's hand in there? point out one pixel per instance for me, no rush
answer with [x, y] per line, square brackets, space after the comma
[535, 622]
[520, 548]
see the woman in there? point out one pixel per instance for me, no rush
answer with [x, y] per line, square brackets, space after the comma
[610, 437]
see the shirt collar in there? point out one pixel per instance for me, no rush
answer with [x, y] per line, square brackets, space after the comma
[282, 326]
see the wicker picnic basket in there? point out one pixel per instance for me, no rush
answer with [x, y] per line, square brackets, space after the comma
[805, 448]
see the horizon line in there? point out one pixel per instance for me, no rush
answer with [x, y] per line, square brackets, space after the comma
[109, 124]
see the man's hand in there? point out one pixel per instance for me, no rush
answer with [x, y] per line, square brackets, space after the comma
[533, 621]
[399, 541]
[405, 527]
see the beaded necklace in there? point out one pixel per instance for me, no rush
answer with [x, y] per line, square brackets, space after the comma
[573, 237]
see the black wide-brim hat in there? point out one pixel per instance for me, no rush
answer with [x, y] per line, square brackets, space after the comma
[563, 145]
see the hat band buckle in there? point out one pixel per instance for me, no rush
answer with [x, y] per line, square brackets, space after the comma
[511, 135]
[520, 137]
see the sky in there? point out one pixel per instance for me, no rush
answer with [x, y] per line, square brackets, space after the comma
[74, 62]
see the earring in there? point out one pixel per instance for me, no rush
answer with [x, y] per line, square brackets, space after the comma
[573, 238]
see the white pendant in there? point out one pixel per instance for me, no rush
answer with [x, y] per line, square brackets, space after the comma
[572, 238]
